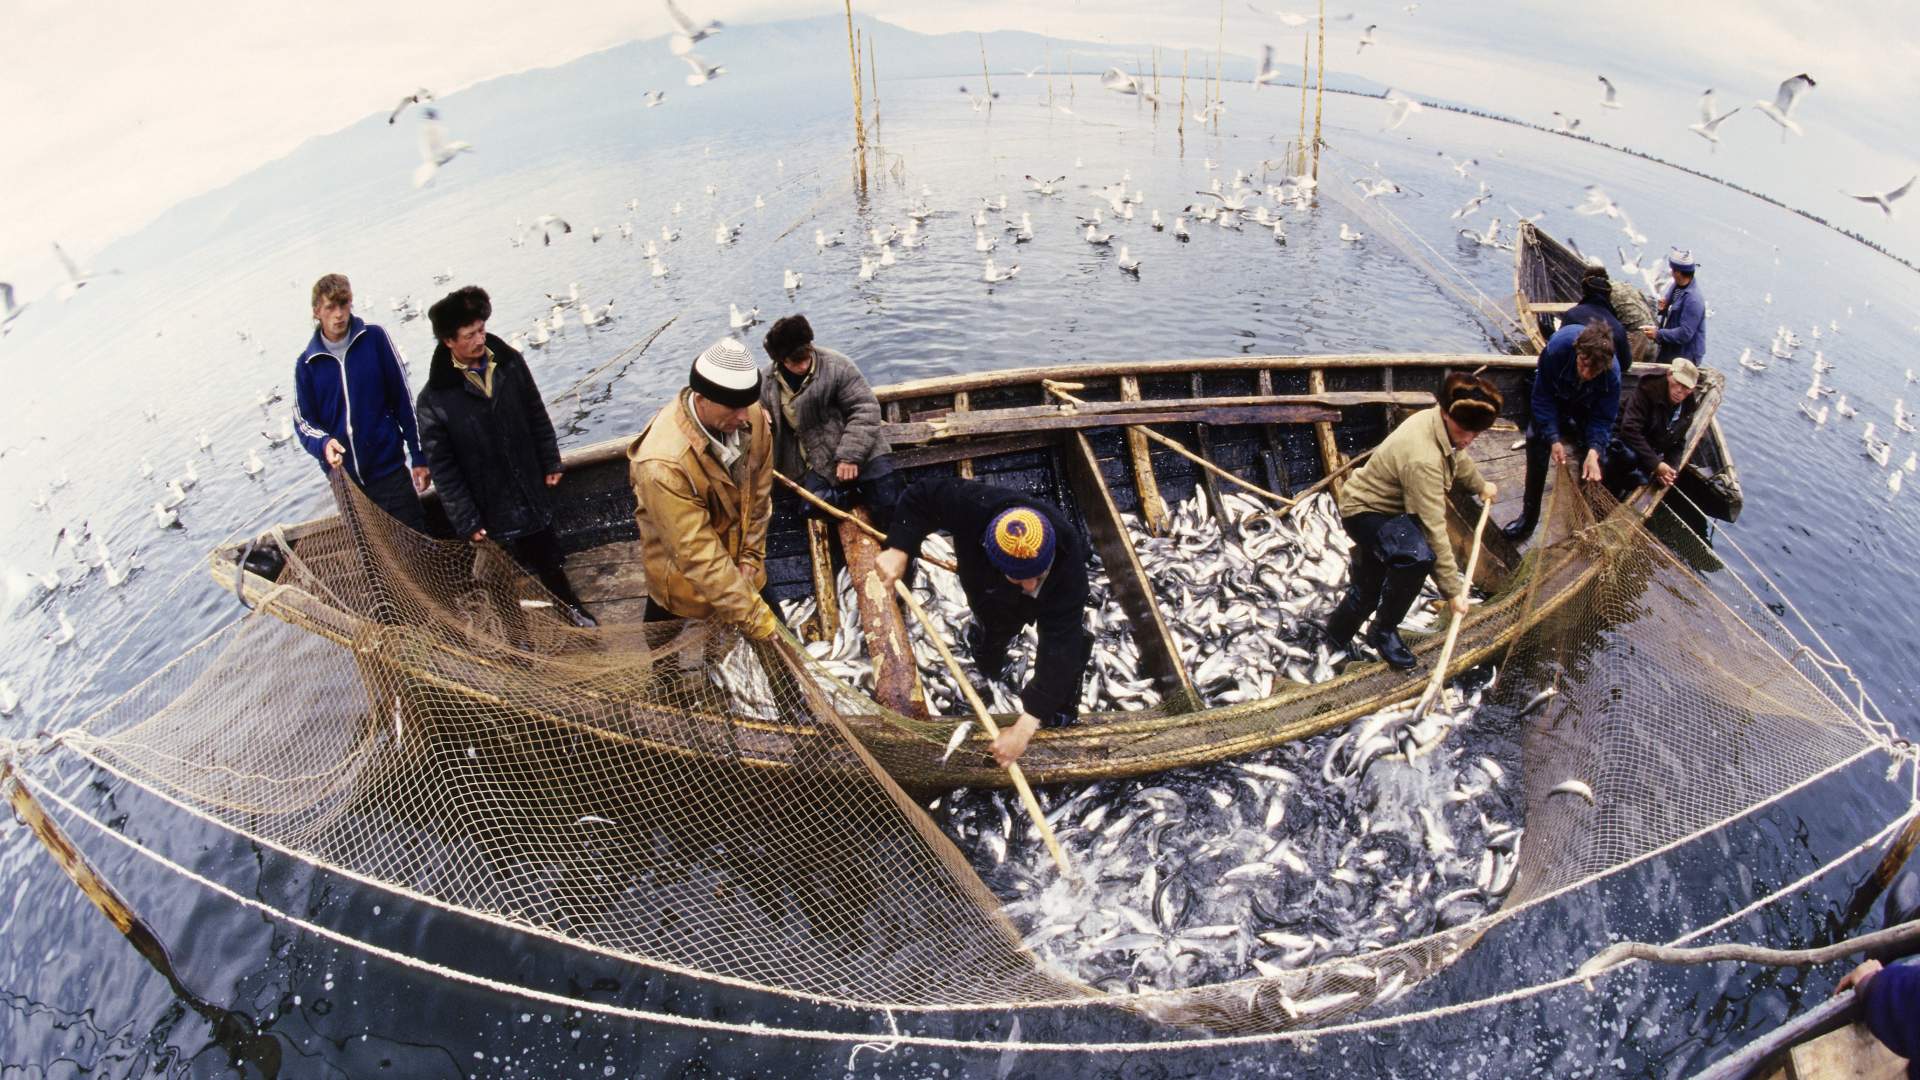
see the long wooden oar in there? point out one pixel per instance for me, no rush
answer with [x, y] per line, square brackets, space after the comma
[1439, 676]
[1059, 390]
[986, 721]
[822, 504]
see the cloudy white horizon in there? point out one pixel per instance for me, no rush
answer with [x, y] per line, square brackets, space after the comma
[122, 113]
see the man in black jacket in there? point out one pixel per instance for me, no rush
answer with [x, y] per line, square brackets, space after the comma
[1596, 305]
[1652, 433]
[1020, 562]
[490, 443]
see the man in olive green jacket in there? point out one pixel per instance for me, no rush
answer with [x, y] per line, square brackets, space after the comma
[702, 475]
[1395, 509]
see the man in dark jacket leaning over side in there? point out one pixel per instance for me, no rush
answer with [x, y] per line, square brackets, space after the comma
[826, 423]
[1652, 432]
[1020, 562]
[490, 443]
[1576, 397]
[351, 405]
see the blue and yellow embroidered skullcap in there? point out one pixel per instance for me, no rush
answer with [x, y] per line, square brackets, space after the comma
[1019, 543]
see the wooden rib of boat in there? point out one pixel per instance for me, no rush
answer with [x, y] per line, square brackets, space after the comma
[1279, 422]
[1546, 282]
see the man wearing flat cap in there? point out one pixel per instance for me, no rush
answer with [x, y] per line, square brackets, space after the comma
[702, 475]
[1395, 510]
[1652, 433]
[1682, 329]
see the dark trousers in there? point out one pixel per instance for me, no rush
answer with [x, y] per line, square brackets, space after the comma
[394, 493]
[878, 489]
[1391, 560]
[538, 553]
[991, 634]
[1539, 460]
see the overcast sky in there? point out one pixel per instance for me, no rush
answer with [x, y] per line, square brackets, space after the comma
[118, 111]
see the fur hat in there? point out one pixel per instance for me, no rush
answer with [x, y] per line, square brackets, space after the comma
[1472, 402]
[1019, 543]
[725, 375]
[787, 335]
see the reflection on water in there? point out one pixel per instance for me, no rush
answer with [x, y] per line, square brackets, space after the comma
[168, 337]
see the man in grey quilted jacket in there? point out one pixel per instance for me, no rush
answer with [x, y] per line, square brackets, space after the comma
[826, 423]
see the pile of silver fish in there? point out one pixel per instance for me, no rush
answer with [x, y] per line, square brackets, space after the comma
[1245, 604]
[1329, 848]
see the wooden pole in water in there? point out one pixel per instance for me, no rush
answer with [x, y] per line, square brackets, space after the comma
[1439, 676]
[1320, 94]
[1049, 74]
[984, 73]
[873, 80]
[1156, 80]
[986, 721]
[859, 122]
[1182, 127]
[838, 514]
[1306, 77]
[1219, 67]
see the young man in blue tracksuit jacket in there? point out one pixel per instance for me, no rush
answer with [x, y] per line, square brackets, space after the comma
[352, 408]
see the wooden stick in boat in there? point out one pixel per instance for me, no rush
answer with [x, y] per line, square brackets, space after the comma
[822, 504]
[1059, 390]
[1902, 934]
[986, 721]
[1439, 676]
[1319, 485]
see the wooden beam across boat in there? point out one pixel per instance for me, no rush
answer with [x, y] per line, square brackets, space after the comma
[1159, 653]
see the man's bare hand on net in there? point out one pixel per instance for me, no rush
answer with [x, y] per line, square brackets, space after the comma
[1013, 741]
[335, 453]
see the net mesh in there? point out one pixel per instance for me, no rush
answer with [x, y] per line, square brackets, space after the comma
[415, 713]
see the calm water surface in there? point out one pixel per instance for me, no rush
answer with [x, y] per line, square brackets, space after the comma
[75, 1000]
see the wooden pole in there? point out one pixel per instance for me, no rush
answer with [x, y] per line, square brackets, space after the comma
[1883, 873]
[1319, 95]
[984, 73]
[1306, 77]
[1890, 937]
[1439, 676]
[1049, 74]
[1069, 77]
[1060, 390]
[873, 80]
[1156, 80]
[1182, 128]
[838, 514]
[993, 730]
[1219, 66]
[859, 123]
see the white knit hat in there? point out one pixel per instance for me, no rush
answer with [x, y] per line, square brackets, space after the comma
[725, 374]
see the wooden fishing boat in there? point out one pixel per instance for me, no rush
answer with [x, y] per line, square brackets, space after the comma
[1282, 423]
[1546, 282]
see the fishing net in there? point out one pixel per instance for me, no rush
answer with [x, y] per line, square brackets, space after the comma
[416, 714]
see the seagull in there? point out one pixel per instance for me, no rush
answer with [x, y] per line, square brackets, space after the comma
[9, 310]
[1846, 411]
[435, 150]
[1612, 98]
[1044, 187]
[62, 633]
[653, 97]
[790, 280]
[419, 97]
[1156, 224]
[1568, 124]
[659, 268]
[1366, 38]
[1459, 167]
[1472, 204]
[1210, 112]
[867, 268]
[1818, 416]
[597, 316]
[701, 73]
[1267, 73]
[1490, 238]
[982, 244]
[274, 439]
[253, 465]
[9, 700]
[1349, 235]
[164, 516]
[539, 336]
[690, 30]
[1820, 361]
[1893, 483]
[1097, 238]
[1885, 199]
[1023, 232]
[1122, 83]
[571, 298]
[1180, 230]
[546, 225]
[595, 235]
[1598, 202]
[992, 274]
[1780, 109]
[1709, 126]
[1747, 361]
[1401, 107]
[724, 234]
[822, 241]
[1128, 264]
[77, 278]
[740, 320]
[668, 234]
[626, 230]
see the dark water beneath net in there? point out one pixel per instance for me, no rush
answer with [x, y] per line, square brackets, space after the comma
[74, 999]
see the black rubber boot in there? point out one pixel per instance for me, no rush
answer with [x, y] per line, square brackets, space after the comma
[1402, 589]
[1539, 457]
[1519, 529]
[1391, 648]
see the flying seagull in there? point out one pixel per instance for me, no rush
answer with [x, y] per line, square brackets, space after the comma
[9, 310]
[77, 278]
[1884, 200]
[1709, 126]
[652, 98]
[1780, 109]
[418, 97]
[702, 71]
[689, 30]
[546, 225]
[435, 150]
[1122, 83]
[1366, 39]
[1612, 98]
[1402, 107]
[1268, 73]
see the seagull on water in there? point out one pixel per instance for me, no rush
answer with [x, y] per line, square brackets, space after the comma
[1709, 126]
[9, 699]
[740, 320]
[1780, 109]
[1127, 263]
[1044, 187]
[1349, 235]
[597, 316]
[659, 268]
[1400, 106]
[253, 466]
[867, 267]
[164, 516]
[419, 97]
[1180, 230]
[1095, 237]
[435, 149]
[983, 244]
[822, 241]
[992, 274]
[790, 280]
[1885, 199]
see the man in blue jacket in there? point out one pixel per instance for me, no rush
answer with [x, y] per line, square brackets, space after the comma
[1889, 1001]
[352, 408]
[1576, 396]
[1682, 329]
